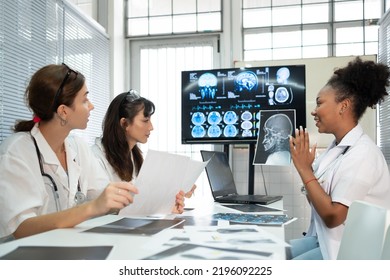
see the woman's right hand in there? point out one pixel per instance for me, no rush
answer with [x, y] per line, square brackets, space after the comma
[116, 195]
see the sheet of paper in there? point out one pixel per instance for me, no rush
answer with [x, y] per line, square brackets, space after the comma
[161, 177]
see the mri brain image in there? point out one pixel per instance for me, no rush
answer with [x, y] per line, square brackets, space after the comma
[230, 131]
[230, 117]
[282, 95]
[198, 118]
[247, 133]
[282, 75]
[207, 85]
[246, 116]
[246, 81]
[214, 118]
[214, 131]
[246, 125]
[198, 131]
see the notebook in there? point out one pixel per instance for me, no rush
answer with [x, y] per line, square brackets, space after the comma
[223, 187]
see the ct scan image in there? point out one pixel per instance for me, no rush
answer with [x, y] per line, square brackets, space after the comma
[275, 128]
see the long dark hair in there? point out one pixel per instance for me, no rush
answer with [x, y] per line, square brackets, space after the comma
[114, 139]
[42, 89]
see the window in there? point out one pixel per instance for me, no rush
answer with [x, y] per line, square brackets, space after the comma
[33, 34]
[156, 69]
[384, 108]
[167, 17]
[313, 28]
[159, 80]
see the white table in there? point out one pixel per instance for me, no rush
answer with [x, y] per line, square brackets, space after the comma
[128, 246]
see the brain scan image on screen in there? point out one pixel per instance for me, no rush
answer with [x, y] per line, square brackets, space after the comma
[247, 133]
[198, 131]
[230, 131]
[207, 85]
[214, 131]
[273, 146]
[230, 117]
[277, 129]
[271, 102]
[221, 106]
[246, 116]
[231, 94]
[246, 81]
[198, 118]
[214, 118]
[282, 75]
[282, 95]
[246, 125]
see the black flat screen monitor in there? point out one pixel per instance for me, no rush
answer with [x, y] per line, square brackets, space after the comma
[222, 106]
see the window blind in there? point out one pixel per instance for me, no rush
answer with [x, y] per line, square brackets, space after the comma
[87, 49]
[37, 33]
[25, 47]
[384, 108]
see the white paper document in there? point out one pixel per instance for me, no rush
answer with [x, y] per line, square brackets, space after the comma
[161, 177]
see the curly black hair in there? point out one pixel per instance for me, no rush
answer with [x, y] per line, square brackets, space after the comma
[363, 82]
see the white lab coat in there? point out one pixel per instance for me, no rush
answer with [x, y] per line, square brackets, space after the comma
[106, 167]
[360, 174]
[24, 191]
[100, 154]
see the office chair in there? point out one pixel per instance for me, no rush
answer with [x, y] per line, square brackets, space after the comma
[386, 245]
[364, 232]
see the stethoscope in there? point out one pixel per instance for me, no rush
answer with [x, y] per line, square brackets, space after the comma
[79, 196]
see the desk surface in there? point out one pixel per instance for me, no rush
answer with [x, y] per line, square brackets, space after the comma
[132, 246]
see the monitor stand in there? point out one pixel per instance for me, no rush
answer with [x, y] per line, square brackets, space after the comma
[251, 167]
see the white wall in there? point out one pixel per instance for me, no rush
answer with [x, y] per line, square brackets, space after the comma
[119, 61]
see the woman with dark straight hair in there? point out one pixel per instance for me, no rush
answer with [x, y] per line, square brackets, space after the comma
[127, 122]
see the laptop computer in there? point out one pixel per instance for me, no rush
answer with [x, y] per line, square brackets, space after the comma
[223, 187]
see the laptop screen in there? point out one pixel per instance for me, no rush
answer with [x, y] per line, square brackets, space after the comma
[219, 173]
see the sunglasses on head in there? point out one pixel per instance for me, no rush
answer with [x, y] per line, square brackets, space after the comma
[130, 96]
[61, 88]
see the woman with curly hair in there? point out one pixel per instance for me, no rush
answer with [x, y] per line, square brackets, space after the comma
[352, 168]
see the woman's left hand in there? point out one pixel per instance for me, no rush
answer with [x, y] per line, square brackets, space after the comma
[190, 192]
[179, 203]
[180, 196]
[301, 153]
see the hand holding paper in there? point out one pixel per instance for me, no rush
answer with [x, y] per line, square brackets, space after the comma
[161, 177]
